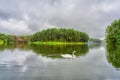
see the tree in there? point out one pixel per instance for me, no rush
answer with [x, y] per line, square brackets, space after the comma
[113, 32]
[6, 38]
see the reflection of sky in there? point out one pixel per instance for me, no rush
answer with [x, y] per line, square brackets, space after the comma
[26, 65]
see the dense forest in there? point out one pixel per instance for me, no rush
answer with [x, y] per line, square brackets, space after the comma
[6, 38]
[113, 32]
[61, 35]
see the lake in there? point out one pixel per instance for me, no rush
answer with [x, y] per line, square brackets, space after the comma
[49, 62]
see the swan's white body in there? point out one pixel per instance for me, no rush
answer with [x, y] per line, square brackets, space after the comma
[68, 55]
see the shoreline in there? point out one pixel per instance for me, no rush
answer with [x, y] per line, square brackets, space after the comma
[58, 43]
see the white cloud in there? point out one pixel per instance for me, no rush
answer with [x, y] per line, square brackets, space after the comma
[91, 16]
[14, 27]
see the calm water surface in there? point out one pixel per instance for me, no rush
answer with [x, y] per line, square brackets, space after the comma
[43, 62]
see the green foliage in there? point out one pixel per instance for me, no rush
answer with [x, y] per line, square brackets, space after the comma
[113, 33]
[1, 42]
[10, 38]
[2, 37]
[60, 35]
[49, 35]
[6, 38]
[94, 40]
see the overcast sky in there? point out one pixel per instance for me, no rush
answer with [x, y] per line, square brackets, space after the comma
[28, 16]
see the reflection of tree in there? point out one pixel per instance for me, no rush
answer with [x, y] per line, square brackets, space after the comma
[13, 46]
[6, 46]
[2, 47]
[54, 51]
[113, 55]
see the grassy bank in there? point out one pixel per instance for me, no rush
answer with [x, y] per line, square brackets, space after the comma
[1, 42]
[58, 43]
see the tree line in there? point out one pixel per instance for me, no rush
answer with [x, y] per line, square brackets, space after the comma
[53, 34]
[61, 35]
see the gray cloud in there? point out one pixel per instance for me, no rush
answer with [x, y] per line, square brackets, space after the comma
[28, 16]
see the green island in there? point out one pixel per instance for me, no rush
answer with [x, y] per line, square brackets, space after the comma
[51, 36]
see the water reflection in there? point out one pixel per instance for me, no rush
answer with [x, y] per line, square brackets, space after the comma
[51, 51]
[55, 51]
[93, 46]
[113, 55]
[31, 62]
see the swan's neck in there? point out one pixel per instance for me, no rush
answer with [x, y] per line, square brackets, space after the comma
[73, 54]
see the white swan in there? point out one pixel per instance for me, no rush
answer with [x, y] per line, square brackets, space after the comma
[68, 55]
